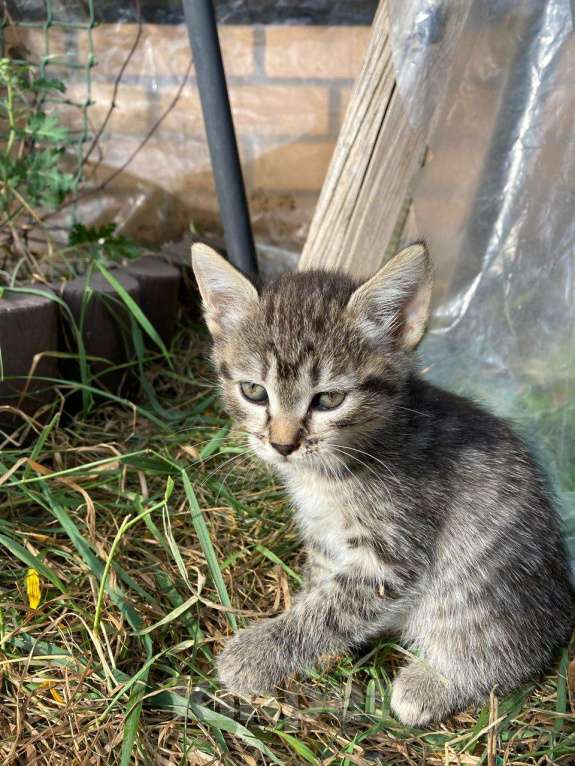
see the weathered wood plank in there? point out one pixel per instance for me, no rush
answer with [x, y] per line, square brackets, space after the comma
[375, 159]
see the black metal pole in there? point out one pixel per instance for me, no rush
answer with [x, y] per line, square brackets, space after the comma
[211, 78]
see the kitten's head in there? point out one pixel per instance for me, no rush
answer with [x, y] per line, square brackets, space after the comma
[313, 364]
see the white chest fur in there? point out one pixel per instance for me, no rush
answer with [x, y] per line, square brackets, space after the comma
[322, 514]
[326, 513]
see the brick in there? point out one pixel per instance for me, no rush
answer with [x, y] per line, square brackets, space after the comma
[186, 118]
[137, 109]
[134, 113]
[175, 166]
[163, 50]
[280, 109]
[237, 50]
[313, 51]
[167, 184]
[268, 110]
[299, 166]
[30, 43]
[70, 114]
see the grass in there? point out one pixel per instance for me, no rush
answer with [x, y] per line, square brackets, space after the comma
[154, 534]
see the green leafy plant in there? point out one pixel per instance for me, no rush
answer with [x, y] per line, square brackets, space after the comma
[32, 172]
[101, 242]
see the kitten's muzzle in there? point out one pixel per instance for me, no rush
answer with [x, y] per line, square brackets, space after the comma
[285, 449]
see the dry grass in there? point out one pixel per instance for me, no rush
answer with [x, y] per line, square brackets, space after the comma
[115, 665]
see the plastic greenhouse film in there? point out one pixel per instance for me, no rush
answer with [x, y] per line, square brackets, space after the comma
[495, 204]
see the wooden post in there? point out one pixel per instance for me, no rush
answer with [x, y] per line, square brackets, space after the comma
[367, 184]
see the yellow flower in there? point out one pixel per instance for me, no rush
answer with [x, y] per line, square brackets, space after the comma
[50, 686]
[56, 695]
[32, 582]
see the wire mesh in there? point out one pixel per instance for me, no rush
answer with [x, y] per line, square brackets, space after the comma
[56, 40]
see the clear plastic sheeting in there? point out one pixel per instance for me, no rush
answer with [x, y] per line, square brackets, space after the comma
[425, 36]
[495, 202]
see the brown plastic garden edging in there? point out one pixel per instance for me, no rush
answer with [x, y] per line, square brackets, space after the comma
[28, 342]
[33, 329]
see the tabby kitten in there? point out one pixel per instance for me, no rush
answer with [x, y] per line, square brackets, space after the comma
[421, 513]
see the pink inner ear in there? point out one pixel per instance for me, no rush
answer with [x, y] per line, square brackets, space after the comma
[221, 309]
[401, 322]
[226, 309]
[414, 316]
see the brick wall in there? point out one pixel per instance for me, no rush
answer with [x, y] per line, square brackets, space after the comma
[289, 88]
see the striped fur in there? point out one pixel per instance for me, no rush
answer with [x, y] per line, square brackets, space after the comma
[423, 514]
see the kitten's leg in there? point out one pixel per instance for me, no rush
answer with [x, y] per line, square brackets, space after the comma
[338, 614]
[318, 567]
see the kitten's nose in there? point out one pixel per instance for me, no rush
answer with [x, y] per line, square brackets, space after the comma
[285, 449]
[285, 433]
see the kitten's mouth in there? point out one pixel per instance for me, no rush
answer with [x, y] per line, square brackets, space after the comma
[280, 459]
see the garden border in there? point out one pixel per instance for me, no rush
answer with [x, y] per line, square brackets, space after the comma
[35, 320]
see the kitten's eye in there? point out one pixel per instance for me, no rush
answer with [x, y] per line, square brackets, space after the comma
[254, 392]
[327, 400]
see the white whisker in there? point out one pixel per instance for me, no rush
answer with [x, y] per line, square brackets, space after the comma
[366, 465]
[369, 455]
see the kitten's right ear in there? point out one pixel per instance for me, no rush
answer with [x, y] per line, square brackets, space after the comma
[226, 294]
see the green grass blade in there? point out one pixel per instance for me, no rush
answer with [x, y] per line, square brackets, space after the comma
[82, 357]
[175, 599]
[147, 387]
[181, 705]
[370, 689]
[561, 704]
[204, 403]
[205, 541]
[134, 709]
[105, 573]
[298, 746]
[171, 616]
[214, 443]
[32, 561]
[276, 560]
[41, 478]
[134, 309]
[41, 441]
[107, 396]
[90, 559]
[132, 722]
[173, 548]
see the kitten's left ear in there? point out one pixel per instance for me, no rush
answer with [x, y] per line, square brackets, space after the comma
[226, 294]
[394, 304]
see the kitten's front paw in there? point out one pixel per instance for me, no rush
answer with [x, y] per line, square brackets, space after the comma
[420, 695]
[251, 661]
